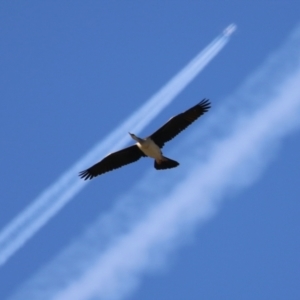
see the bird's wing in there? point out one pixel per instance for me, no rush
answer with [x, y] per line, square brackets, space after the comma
[178, 123]
[113, 161]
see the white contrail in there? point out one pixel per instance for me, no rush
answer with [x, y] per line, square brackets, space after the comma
[232, 162]
[45, 206]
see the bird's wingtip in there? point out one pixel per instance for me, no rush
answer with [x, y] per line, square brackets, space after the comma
[85, 175]
[205, 104]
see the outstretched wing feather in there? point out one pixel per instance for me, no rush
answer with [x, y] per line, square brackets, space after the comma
[113, 161]
[180, 122]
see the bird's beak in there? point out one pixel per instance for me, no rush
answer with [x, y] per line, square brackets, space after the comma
[132, 136]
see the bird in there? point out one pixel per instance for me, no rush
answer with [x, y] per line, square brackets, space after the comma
[150, 146]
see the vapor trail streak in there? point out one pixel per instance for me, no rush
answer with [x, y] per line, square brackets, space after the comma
[233, 161]
[54, 198]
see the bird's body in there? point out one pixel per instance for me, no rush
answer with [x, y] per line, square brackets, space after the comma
[149, 146]
[150, 149]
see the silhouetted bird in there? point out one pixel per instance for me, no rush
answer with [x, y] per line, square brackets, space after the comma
[150, 146]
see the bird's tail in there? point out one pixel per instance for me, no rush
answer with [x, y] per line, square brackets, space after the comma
[166, 163]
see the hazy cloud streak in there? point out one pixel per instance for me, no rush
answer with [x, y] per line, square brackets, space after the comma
[233, 163]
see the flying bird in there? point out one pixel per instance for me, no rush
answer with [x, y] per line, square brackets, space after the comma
[149, 146]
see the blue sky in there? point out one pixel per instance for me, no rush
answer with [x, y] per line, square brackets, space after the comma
[72, 72]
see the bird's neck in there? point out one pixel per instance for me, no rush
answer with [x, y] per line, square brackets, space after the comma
[140, 140]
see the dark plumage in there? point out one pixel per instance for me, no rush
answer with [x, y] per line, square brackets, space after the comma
[113, 161]
[178, 123]
[150, 146]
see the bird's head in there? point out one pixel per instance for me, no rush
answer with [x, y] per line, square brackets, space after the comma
[131, 134]
[134, 137]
